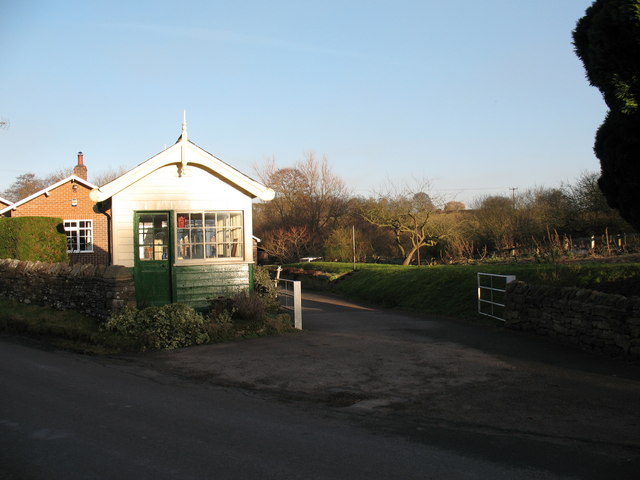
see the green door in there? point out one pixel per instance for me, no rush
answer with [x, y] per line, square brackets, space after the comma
[152, 266]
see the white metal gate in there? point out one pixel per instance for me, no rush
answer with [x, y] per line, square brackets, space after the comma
[492, 294]
[290, 298]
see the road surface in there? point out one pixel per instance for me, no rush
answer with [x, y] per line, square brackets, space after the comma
[361, 393]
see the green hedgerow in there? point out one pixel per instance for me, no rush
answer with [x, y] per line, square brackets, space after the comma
[33, 238]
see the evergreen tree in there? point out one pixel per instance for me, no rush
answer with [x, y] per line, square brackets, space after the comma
[607, 40]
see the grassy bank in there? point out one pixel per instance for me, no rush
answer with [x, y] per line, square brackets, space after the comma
[451, 289]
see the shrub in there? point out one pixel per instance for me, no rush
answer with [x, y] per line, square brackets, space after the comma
[34, 239]
[245, 314]
[221, 305]
[170, 326]
[266, 288]
[248, 312]
[280, 323]
[220, 326]
[249, 306]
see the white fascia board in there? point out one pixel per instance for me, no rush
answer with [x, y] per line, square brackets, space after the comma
[225, 170]
[100, 194]
[45, 190]
[174, 155]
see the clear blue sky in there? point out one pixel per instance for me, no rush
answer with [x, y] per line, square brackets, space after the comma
[478, 96]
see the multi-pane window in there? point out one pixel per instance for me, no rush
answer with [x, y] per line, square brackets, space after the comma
[79, 235]
[209, 235]
[153, 236]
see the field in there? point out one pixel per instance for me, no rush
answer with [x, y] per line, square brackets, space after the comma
[452, 289]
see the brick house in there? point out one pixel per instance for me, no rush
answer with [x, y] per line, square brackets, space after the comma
[181, 221]
[86, 227]
[4, 203]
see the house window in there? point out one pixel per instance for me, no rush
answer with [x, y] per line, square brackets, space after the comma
[79, 235]
[209, 235]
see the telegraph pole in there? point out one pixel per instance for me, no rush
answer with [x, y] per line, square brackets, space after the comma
[513, 195]
[353, 243]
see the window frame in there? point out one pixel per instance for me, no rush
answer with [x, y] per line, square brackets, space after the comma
[76, 230]
[207, 236]
[150, 231]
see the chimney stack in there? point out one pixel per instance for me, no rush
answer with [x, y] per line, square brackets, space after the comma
[80, 170]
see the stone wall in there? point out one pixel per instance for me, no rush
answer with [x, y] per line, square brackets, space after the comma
[95, 290]
[595, 321]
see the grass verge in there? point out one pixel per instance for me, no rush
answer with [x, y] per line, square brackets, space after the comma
[452, 289]
[80, 333]
[62, 328]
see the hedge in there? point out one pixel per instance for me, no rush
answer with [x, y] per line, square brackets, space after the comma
[33, 238]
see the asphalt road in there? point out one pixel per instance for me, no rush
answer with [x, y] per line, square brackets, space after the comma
[65, 416]
[469, 386]
[361, 393]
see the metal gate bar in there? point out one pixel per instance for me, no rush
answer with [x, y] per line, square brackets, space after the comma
[491, 294]
[290, 298]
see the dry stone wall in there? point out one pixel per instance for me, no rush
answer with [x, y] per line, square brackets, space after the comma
[595, 321]
[96, 290]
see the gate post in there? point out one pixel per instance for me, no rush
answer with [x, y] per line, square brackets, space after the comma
[297, 305]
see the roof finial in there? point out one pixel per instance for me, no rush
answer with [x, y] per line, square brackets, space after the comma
[184, 125]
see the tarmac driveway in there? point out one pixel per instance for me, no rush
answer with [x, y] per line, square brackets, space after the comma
[433, 371]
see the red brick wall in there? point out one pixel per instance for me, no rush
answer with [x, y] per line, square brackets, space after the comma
[58, 204]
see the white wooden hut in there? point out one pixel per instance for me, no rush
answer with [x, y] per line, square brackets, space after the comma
[182, 221]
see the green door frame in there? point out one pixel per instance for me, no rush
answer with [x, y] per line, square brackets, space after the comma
[153, 274]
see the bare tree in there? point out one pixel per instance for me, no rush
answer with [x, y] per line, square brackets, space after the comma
[454, 206]
[589, 212]
[406, 210]
[29, 183]
[496, 221]
[308, 195]
[57, 176]
[107, 176]
[23, 186]
[287, 244]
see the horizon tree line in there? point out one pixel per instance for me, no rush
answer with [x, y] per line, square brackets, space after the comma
[313, 214]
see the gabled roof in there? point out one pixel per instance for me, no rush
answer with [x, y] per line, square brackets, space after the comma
[5, 201]
[189, 154]
[45, 190]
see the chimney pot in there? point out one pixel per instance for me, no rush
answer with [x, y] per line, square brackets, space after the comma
[80, 170]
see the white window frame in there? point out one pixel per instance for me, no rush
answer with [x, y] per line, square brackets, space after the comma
[183, 244]
[73, 228]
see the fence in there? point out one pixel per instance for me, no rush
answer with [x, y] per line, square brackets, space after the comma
[492, 294]
[623, 242]
[595, 244]
[290, 298]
